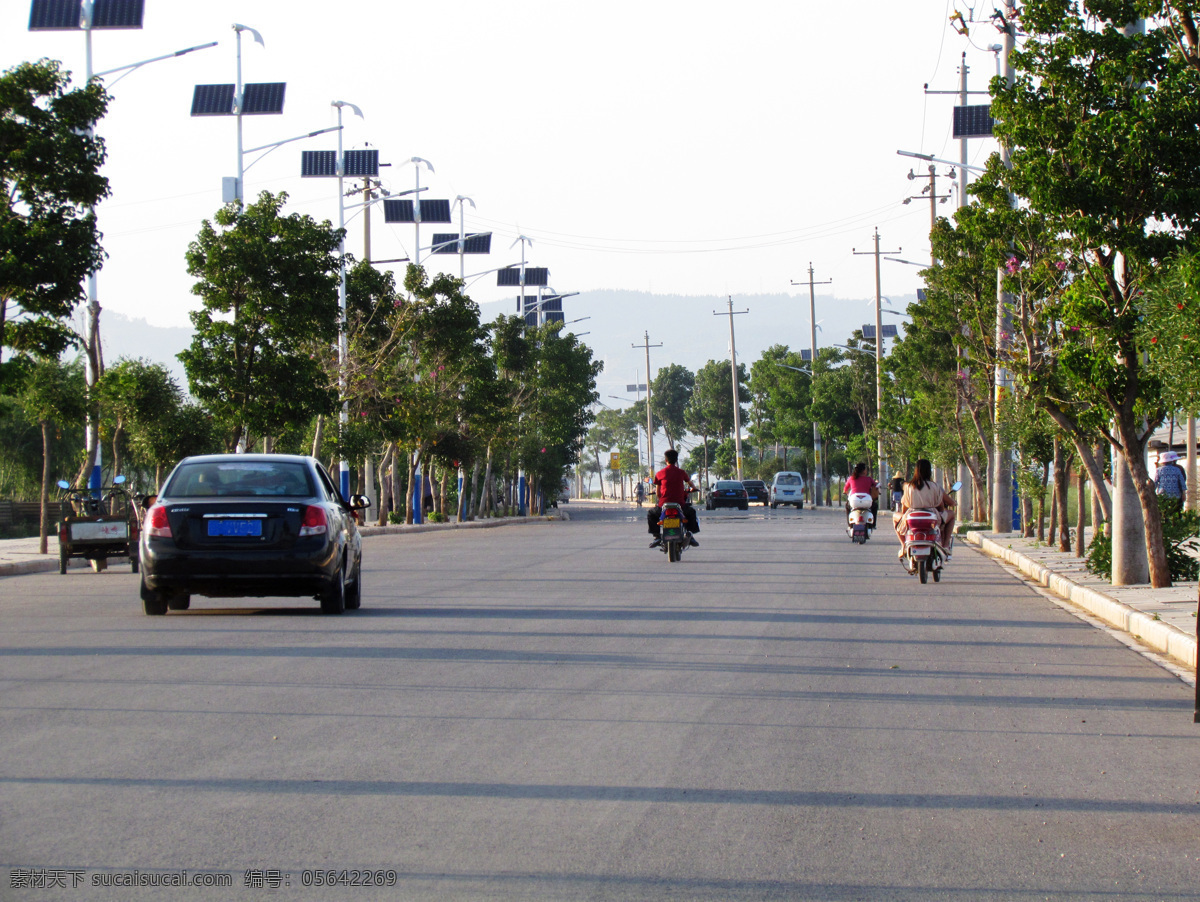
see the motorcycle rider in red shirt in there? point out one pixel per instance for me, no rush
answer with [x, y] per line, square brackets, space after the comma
[671, 484]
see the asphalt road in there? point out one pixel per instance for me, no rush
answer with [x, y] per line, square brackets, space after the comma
[554, 712]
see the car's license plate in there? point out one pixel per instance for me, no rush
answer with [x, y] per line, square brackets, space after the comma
[671, 523]
[235, 527]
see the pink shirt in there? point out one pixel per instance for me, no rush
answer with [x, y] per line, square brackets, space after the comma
[860, 484]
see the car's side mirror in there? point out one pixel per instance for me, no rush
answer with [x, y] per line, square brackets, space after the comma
[149, 501]
[360, 502]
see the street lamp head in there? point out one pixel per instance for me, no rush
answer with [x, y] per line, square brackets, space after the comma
[419, 160]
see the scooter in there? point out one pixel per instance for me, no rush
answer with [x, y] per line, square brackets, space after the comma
[922, 552]
[673, 529]
[860, 521]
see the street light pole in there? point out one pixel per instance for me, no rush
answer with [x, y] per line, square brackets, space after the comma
[344, 415]
[818, 462]
[883, 474]
[649, 417]
[737, 404]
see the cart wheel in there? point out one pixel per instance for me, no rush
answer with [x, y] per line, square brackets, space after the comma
[937, 575]
[63, 556]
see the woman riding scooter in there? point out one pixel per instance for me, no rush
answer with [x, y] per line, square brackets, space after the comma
[922, 493]
[861, 482]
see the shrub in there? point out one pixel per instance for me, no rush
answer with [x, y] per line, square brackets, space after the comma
[1180, 531]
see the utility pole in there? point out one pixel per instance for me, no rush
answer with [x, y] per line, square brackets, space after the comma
[883, 468]
[966, 502]
[818, 461]
[737, 403]
[649, 417]
[931, 188]
[1002, 505]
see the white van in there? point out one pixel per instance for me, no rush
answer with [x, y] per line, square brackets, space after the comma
[787, 488]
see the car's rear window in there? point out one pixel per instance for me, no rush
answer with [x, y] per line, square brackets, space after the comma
[787, 480]
[239, 477]
[725, 486]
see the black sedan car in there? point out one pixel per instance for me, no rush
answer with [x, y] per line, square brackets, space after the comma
[727, 493]
[236, 525]
[756, 490]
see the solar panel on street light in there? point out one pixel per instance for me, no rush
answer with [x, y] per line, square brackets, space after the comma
[55, 15]
[868, 331]
[973, 121]
[67, 15]
[406, 211]
[212, 100]
[434, 210]
[806, 355]
[473, 243]
[538, 277]
[362, 163]
[263, 98]
[117, 13]
[318, 164]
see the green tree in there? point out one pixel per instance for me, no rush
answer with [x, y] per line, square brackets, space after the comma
[1102, 130]
[134, 395]
[670, 392]
[53, 394]
[268, 284]
[49, 171]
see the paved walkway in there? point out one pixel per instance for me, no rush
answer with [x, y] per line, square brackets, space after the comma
[1164, 620]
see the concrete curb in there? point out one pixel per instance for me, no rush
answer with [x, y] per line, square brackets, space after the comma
[1162, 637]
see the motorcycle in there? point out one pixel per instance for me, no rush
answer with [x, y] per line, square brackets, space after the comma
[860, 521]
[674, 532]
[922, 553]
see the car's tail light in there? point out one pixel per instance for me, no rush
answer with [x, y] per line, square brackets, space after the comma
[314, 522]
[157, 523]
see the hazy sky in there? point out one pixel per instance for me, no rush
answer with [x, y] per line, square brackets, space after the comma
[676, 147]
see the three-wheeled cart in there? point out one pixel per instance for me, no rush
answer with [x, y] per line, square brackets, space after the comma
[97, 524]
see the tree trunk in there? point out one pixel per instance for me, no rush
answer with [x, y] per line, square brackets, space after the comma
[44, 515]
[414, 491]
[1100, 517]
[1062, 481]
[1053, 512]
[118, 434]
[385, 484]
[1135, 460]
[318, 436]
[1089, 458]
[1041, 517]
[1080, 513]
[487, 481]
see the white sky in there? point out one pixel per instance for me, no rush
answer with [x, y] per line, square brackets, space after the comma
[675, 147]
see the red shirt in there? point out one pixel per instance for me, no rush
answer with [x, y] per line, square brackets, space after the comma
[860, 484]
[671, 485]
